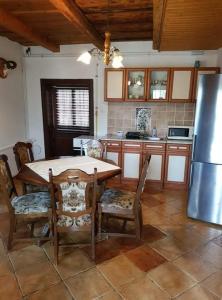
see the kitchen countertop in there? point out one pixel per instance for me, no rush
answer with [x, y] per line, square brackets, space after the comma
[123, 139]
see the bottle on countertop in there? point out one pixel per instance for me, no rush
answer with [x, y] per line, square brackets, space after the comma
[154, 132]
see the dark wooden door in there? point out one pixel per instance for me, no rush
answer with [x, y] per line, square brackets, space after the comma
[67, 106]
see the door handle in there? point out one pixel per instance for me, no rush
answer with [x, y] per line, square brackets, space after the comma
[194, 146]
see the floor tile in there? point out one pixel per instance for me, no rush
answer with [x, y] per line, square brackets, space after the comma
[36, 277]
[214, 284]
[145, 258]
[151, 234]
[120, 270]
[55, 292]
[27, 257]
[88, 285]
[143, 289]
[169, 247]
[171, 279]
[218, 240]
[212, 253]
[112, 295]
[104, 250]
[195, 266]
[73, 263]
[197, 293]
[126, 244]
[9, 289]
[154, 218]
[5, 266]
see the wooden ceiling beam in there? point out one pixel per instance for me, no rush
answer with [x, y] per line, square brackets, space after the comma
[11, 23]
[72, 12]
[159, 7]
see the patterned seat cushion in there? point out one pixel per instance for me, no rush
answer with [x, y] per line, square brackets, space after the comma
[31, 203]
[73, 196]
[67, 221]
[113, 198]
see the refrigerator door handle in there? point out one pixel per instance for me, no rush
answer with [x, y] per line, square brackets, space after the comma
[194, 146]
[191, 175]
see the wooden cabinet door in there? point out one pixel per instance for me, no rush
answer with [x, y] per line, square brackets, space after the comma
[136, 84]
[202, 71]
[131, 160]
[177, 166]
[181, 84]
[158, 84]
[155, 173]
[114, 84]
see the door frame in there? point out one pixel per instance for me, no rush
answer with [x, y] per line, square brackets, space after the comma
[47, 112]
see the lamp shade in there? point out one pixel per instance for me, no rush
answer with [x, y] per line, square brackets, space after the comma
[85, 58]
[117, 59]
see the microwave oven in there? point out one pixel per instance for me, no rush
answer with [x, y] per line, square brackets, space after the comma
[180, 132]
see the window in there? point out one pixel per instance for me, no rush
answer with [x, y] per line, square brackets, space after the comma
[72, 108]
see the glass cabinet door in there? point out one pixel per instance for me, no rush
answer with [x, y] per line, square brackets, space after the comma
[136, 86]
[158, 85]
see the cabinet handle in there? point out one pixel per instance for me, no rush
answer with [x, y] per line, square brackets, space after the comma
[184, 148]
[131, 145]
[113, 144]
[172, 147]
[153, 146]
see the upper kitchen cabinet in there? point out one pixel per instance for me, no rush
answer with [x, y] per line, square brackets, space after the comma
[181, 84]
[158, 84]
[202, 71]
[135, 85]
[114, 84]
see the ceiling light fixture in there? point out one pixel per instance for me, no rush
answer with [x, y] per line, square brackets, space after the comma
[110, 54]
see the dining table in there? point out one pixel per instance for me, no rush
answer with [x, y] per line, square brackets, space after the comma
[37, 172]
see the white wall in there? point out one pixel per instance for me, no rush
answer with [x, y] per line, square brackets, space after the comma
[219, 61]
[12, 107]
[43, 64]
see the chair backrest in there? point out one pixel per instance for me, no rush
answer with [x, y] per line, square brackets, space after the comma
[23, 154]
[7, 186]
[94, 149]
[142, 179]
[73, 192]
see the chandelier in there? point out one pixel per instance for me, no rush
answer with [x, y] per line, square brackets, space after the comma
[110, 54]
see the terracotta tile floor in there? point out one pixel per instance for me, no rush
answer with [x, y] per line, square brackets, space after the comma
[178, 258]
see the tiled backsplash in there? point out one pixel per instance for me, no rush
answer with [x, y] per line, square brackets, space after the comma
[122, 116]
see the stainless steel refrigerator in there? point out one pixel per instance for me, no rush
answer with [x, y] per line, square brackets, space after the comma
[205, 190]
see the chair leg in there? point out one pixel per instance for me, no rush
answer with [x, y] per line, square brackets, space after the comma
[11, 231]
[141, 219]
[93, 241]
[99, 220]
[138, 226]
[124, 225]
[56, 246]
[32, 229]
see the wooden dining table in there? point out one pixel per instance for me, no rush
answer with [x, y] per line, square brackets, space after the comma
[35, 173]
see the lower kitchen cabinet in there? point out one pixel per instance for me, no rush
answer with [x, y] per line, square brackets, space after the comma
[131, 160]
[155, 173]
[177, 166]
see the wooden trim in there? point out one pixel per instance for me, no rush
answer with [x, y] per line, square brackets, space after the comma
[127, 99]
[71, 12]
[149, 81]
[105, 85]
[217, 71]
[11, 23]
[159, 9]
[171, 84]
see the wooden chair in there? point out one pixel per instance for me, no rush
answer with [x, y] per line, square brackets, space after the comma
[94, 149]
[73, 195]
[30, 208]
[23, 155]
[124, 205]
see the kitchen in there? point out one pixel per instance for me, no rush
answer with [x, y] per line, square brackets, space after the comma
[145, 114]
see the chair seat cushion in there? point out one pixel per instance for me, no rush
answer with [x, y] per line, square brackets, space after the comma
[31, 203]
[119, 199]
[76, 222]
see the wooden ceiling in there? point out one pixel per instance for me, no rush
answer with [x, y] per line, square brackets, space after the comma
[171, 24]
[57, 22]
[187, 24]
